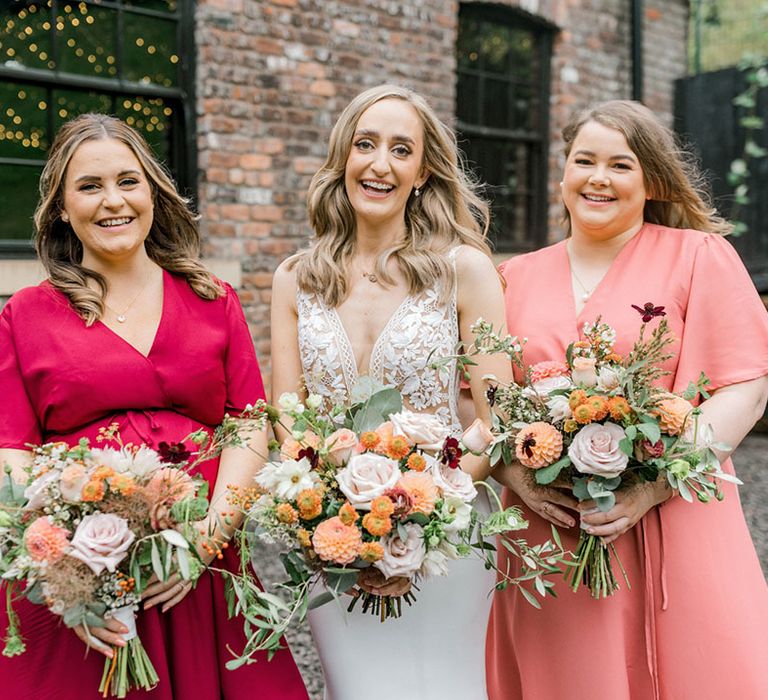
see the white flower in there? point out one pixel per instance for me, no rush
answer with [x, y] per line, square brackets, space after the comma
[101, 541]
[141, 463]
[705, 434]
[292, 477]
[37, 493]
[423, 429]
[289, 402]
[607, 379]
[402, 557]
[455, 514]
[314, 401]
[435, 564]
[559, 408]
[366, 477]
[267, 476]
[544, 387]
[454, 483]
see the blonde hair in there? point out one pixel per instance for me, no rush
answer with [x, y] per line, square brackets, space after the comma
[448, 212]
[173, 241]
[678, 194]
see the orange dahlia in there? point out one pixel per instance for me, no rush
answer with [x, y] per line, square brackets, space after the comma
[286, 513]
[348, 514]
[45, 541]
[371, 551]
[310, 503]
[421, 487]
[599, 406]
[334, 541]
[672, 410]
[538, 445]
[369, 440]
[123, 484]
[377, 525]
[103, 473]
[416, 462]
[398, 447]
[93, 491]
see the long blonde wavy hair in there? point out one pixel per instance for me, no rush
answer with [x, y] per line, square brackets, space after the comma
[173, 241]
[448, 212]
[679, 196]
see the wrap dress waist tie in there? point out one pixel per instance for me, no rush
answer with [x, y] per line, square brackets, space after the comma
[144, 424]
[652, 533]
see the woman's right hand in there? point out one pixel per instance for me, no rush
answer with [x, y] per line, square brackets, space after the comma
[102, 639]
[545, 501]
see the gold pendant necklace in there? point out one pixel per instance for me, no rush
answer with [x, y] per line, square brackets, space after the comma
[121, 316]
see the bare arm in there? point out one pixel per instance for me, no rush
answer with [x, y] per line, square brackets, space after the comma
[480, 295]
[287, 374]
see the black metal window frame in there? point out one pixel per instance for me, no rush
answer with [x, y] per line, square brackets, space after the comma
[537, 139]
[183, 149]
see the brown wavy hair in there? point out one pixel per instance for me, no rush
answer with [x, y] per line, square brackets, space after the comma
[679, 196]
[449, 211]
[173, 241]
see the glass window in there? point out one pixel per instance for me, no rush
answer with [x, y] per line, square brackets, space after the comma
[502, 98]
[59, 59]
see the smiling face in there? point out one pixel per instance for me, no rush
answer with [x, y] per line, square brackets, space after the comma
[603, 186]
[107, 201]
[385, 162]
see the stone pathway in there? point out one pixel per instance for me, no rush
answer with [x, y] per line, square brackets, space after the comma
[751, 461]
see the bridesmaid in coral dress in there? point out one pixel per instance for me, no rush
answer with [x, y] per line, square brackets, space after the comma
[693, 623]
[129, 328]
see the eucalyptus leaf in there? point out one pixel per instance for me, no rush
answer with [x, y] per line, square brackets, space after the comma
[377, 410]
[651, 431]
[340, 582]
[546, 475]
[606, 502]
[320, 599]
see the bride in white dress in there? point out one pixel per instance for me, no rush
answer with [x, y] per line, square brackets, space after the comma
[399, 268]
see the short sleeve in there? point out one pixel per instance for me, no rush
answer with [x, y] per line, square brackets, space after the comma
[19, 425]
[726, 324]
[244, 382]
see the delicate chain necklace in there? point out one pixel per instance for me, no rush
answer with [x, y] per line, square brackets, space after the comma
[587, 291]
[121, 315]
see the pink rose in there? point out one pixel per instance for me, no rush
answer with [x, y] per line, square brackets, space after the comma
[452, 482]
[402, 557]
[73, 478]
[584, 372]
[477, 437]
[101, 541]
[341, 446]
[595, 450]
[423, 429]
[366, 477]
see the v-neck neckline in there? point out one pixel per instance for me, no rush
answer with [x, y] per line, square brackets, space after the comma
[157, 329]
[344, 336]
[601, 285]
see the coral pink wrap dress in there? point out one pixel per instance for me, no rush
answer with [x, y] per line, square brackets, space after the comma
[61, 380]
[694, 625]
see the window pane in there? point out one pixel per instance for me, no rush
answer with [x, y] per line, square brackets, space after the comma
[152, 117]
[25, 38]
[495, 46]
[468, 98]
[496, 104]
[87, 40]
[69, 103]
[18, 199]
[151, 52]
[468, 45]
[23, 121]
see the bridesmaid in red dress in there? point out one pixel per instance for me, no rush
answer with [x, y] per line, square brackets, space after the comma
[693, 623]
[130, 328]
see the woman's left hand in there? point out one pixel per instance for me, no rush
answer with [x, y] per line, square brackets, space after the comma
[632, 503]
[169, 592]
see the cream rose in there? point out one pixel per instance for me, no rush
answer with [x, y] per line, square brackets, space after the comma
[544, 387]
[584, 373]
[37, 492]
[607, 379]
[73, 478]
[595, 450]
[101, 541]
[402, 557]
[451, 482]
[341, 446]
[477, 437]
[423, 429]
[366, 477]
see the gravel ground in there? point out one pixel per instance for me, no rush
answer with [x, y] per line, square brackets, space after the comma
[751, 461]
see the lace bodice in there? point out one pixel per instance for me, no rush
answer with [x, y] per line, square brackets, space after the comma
[420, 330]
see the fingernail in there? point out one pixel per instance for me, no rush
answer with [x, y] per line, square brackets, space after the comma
[121, 642]
[164, 608]
[147, 606]
[109, 654]
[589, 530]
[570, 523]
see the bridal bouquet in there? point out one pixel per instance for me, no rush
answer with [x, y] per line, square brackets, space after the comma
[91, 526]
[595, 422]
[370, 493]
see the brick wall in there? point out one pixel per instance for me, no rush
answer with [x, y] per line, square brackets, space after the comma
[274, 74]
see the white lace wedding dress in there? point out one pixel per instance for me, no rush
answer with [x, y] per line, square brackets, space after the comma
[436, 650]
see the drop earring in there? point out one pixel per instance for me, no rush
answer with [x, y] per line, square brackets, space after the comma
[416, 192]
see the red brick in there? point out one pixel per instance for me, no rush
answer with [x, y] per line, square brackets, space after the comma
[255, 161]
